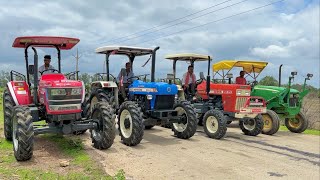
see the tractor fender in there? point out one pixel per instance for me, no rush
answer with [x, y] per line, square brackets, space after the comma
[104, 84]
[20, 92]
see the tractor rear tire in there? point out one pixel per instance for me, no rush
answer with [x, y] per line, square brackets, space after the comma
[130, 122]
[298, 127]
[23, 135]
[271, 122]
[148, 127]
[188, 129]
[214, 124]
[254, 128]
[8, 105]
[103, 137]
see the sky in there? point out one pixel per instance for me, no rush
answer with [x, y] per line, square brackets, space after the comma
[285, 33]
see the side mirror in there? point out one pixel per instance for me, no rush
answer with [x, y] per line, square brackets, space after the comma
[31, 69]
[201, 75]
[294, 73]
[309, 75]
[229, 75]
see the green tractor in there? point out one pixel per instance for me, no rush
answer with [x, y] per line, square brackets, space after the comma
[282, 102]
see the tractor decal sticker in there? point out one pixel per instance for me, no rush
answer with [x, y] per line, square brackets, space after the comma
[143, 89]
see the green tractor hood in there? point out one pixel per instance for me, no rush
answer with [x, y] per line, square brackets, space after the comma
[269, 92]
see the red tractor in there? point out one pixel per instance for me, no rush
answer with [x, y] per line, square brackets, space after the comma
[216, 102]
[52, 98]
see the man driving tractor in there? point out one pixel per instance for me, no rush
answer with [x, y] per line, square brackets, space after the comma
[241, 79]
[189, 81]
[124, 78]
[46, 65]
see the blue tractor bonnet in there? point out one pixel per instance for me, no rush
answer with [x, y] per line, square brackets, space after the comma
[152, 88]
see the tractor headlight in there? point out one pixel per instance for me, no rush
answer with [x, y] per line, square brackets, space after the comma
[76, 91]
[58, 92]
[247, 93]
[176, 96]
[149, 97]
[238, 92]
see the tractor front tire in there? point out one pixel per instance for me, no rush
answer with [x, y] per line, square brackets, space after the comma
[103, 137]
[299, 124]
[8, 105]
[251, 126]
[188, 127]
[23, 135]
[271, 122]
[130, 122]
[214, 124]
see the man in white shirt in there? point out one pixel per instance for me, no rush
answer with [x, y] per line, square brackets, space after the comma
[189, 81]
[46, 65]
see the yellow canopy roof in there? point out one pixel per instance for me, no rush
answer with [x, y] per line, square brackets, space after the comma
[248, 66]
[188, 57]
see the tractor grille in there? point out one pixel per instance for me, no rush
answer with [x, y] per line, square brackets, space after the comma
[241, 101]
[65, 98]
[164, 102]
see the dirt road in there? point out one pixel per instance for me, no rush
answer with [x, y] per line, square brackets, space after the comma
[162, 156]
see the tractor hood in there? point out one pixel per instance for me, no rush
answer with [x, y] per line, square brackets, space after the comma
[58, 80]
[158, 88]
[274, 89]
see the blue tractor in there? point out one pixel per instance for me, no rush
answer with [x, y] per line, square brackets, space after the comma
[139, 104]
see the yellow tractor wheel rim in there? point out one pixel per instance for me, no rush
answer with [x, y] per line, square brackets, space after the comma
[267, 120]
[296, 122]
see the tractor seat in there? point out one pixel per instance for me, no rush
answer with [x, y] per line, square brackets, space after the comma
[52, 77]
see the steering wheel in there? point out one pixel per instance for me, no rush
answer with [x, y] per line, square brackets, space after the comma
[41, 72]
[199, 81]
[138, 77]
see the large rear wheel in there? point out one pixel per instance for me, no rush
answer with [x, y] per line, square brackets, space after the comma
[251, 126]
[130, 123]
[103, 136]
[22, 133]
[271, 122]
[188, 125]
[298, 124]
[214, 124]
[8, 105]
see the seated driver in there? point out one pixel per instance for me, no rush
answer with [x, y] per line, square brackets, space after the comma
[241, 79]
[124, 78]
[46, 65]
[189, 81]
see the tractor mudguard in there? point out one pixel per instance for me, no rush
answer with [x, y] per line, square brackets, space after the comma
[20, 92]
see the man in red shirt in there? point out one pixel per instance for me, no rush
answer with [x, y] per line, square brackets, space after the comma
[241, 79]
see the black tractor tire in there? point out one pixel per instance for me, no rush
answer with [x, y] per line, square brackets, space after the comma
[8, 105]
[148, 127]
[215, 130]
[190, 126]
[271, 122]
[299, 127]
[103, 95]
[85, 106]
[23, 135]
[257, 124]
[229, 122]
[103, 137]
[130, 122]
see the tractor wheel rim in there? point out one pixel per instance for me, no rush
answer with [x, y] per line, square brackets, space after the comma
[14, 134]
[267, 122]
[250, 125]
[180, 127]
[295, 122]
[212, 124]
[125, 120]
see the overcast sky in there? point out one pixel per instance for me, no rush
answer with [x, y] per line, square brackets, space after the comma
[284, 33]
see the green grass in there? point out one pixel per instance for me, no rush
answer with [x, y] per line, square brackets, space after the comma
[308, 131]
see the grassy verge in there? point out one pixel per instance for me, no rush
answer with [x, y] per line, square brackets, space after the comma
[308, 131]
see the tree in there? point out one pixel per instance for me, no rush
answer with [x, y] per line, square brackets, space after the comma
[269, 81]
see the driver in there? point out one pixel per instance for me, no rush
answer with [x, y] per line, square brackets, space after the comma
[189, 81]
[240, 79]
[124, 79]
[46, 65]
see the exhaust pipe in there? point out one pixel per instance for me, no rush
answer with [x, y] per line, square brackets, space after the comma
[280, 74]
